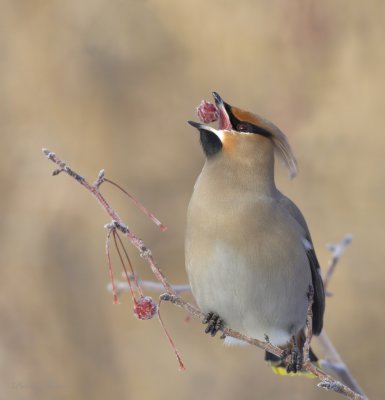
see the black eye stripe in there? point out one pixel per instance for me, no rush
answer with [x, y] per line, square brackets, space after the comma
[250, 127]
[259, 131]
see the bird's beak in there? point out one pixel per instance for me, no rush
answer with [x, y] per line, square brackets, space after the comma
[224, 119]
[203, 128]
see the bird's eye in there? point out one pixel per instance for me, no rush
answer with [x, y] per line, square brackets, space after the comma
[243, 127]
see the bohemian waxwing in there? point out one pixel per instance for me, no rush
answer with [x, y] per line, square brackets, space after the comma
[249, 255]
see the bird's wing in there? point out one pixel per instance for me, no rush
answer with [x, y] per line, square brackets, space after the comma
[319, 292]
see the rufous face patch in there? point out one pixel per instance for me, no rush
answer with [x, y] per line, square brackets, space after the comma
[248, 117]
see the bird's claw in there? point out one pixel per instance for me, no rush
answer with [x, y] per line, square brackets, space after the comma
[296, 362]
[214, 323]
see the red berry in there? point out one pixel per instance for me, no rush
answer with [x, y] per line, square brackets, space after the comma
[207, 112]
[145, 308]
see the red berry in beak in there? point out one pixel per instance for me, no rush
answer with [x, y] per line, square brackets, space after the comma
[207, 112]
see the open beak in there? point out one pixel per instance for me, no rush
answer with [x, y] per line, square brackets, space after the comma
[203, 128]
[221, 114]
[224, 119]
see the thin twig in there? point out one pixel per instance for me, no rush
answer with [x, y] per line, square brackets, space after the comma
[172, 344]
[327, 382]
[337, 250]
[122, 286]
[139, 205]
[114, 234]
[108, 243]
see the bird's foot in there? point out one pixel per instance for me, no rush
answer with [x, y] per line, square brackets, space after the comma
[214, 323]
[296, 362]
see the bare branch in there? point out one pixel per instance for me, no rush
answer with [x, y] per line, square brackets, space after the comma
[332, 361]
[327, 382]
[116, 220]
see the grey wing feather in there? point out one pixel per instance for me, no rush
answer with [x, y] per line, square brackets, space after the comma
[319, 292]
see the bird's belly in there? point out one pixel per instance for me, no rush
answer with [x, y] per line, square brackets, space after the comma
[258, 290]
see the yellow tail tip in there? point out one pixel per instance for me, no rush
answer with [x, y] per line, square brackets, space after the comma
[282, 371]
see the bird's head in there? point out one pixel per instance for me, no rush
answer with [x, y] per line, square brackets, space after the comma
[243, 136]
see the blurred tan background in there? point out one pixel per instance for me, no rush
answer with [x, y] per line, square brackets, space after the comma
[110, 84]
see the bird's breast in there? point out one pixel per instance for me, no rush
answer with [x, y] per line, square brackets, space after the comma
[246, 261]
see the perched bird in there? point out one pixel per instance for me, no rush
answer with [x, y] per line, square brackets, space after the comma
[249, 255]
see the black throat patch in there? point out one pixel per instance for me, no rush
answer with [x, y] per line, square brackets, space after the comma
[211, 143]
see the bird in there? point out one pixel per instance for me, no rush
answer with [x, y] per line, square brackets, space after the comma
[249, 256]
